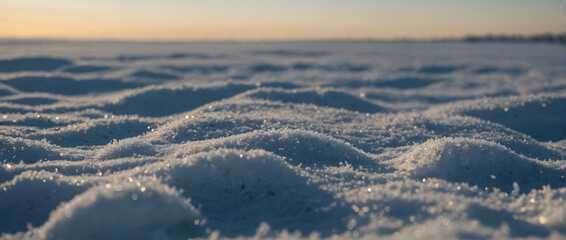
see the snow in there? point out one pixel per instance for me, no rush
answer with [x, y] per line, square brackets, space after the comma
[280, 140]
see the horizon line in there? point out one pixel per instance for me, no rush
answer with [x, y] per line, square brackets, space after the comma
[336, 39]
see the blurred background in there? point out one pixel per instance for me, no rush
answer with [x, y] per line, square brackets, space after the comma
[173, 20]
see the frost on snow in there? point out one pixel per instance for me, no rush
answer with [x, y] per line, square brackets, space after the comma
[282, 140]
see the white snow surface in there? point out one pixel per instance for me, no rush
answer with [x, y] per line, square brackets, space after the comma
[282, 140]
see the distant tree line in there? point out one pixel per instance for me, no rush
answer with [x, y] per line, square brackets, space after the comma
[537, 38]
[548, 38]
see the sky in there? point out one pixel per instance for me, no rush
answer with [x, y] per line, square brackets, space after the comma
[276, 19]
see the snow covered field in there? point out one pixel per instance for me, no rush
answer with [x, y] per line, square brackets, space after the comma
[111, 140]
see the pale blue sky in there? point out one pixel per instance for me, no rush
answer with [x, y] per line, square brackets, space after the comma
[276, 19]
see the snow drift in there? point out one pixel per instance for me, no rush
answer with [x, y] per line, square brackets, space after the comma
[318, 140]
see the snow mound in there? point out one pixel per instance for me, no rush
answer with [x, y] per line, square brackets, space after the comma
[325, 98]
[5, 91]
[263, 186]
[72, 86]
[202, 69]
[543, 118]
[124, 210]
[155, 102]
[129, 147]
[35, 120]
[14, 150]
[188, 128]
[87, 69]
[95, 131]
[398, 83]
[32, 64]
[154, 75]
[297, 146]
[33, 101]
[32, 195]
[478, 162]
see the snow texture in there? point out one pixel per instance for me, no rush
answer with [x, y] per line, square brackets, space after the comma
[287, 140]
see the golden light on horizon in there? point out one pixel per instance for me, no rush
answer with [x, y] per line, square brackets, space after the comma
[278, 20]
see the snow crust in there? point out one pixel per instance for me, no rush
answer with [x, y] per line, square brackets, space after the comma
[317, 140]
